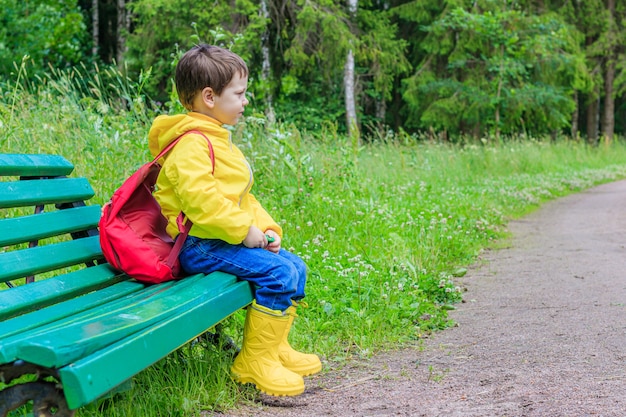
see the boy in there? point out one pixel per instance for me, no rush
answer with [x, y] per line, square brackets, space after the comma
[231, 231]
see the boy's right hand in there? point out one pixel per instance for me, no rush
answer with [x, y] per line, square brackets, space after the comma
[255, 238]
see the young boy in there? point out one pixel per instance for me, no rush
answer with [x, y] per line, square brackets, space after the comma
[231, 231]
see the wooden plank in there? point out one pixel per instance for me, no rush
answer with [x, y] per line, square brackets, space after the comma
[21, 263]
[70, 314]
[52, 191]
[12, 331]
[39, 226]
[75, 310]
[34, 165]
[25, 298]
[87, 379]
[71, 342]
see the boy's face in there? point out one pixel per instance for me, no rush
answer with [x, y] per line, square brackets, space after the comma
[228, 107]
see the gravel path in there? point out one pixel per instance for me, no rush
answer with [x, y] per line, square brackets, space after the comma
[542, 332]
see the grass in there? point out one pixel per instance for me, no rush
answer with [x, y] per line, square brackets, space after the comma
[385, 228]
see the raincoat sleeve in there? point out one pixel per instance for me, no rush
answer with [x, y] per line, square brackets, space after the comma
[262, 218]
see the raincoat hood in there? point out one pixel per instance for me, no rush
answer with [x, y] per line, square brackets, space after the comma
[167, 128]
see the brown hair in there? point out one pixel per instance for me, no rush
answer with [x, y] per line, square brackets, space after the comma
[206, 66]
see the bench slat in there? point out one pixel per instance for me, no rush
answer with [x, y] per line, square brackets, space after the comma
[52, 191]
[32, 261]
[70, 313]
[13, 331]
[34, 165]
[91, 377]
[39, 226]
[58, 347]
[25, 298]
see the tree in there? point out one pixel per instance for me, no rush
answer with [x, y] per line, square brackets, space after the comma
[384, 58]
[411, 18]
[266, 65]
[48, 32]
[491, 69]
[348, 79]
[588, 18]
[236, 25]
[612, 41]
[123, 27]
[327, 37]
[620, 62]
[95, 30]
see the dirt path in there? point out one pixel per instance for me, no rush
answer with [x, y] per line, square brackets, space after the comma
[542, 332]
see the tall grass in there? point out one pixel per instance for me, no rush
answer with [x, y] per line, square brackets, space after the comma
[384, 228]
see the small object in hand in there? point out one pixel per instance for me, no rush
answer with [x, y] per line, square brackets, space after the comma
[269, 239]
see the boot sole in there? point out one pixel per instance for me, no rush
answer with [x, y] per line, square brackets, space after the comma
[265, 390]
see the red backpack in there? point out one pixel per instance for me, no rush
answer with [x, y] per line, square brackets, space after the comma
[132, 228]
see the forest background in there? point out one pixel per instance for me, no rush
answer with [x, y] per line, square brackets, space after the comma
[449, 69]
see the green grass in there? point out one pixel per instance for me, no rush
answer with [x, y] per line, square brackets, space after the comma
[385, 228]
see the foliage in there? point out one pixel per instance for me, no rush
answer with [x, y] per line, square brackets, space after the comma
[43, 33]
[459, 67]
[618, 40]
[323, 35]
[382, 53]
[590, 19]
[307, 110]
[183, 24]
[315, 35]
[492, 70]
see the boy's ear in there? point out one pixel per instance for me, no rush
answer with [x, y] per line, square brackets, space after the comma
[208, 96]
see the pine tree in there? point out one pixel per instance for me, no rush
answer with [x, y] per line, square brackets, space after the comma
[493, 69]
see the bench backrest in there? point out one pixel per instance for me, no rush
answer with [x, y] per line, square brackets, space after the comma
[45, 229]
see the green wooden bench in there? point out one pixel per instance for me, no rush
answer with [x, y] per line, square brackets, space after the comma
[72, 329]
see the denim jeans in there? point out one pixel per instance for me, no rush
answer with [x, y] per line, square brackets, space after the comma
[278, 278]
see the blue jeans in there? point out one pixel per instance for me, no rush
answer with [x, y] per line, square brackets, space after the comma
[278, 278]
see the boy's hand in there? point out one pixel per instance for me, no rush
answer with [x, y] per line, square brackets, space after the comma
[275, 245]
[255, 238]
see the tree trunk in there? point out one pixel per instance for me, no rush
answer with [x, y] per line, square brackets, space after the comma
[381, 110]
[348, 82]
[499, 93]
[95, 31]
[266, 69]
[575, 117]
[608, 119]
[122, 29]
[592, 121]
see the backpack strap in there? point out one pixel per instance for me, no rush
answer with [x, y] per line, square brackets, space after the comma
[183, 226]
[175, 141]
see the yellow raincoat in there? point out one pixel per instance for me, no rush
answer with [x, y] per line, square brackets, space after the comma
[220, 204]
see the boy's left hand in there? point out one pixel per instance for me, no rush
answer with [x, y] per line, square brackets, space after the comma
[275, 245]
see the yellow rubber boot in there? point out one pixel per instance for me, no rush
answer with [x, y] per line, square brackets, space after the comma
[301, 363]
[258, 361]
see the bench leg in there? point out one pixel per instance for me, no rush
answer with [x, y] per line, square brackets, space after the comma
[219, 339]
[225, 342]
[48, 399]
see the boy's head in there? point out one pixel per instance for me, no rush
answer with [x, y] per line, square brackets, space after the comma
[206, 66]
